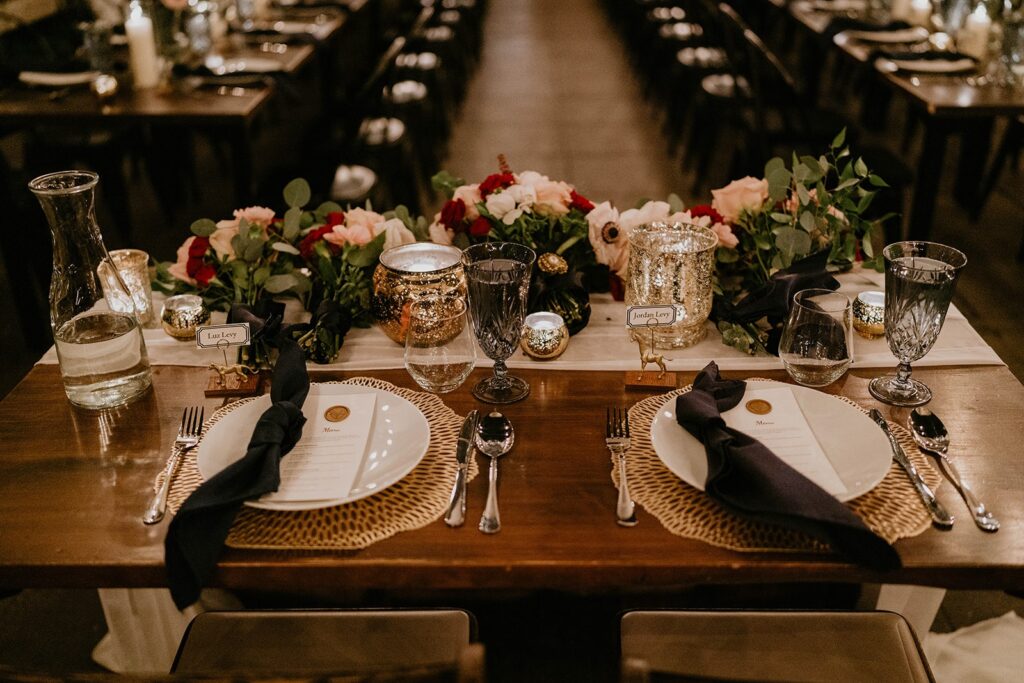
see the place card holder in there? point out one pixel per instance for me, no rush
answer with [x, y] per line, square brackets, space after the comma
[641, 321]
[229, 379]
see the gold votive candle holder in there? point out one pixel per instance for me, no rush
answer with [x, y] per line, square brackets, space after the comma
[183, 314]
[545, 335]
[409, 273]
[869, 314]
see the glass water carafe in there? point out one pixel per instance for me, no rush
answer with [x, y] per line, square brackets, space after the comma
[101, 352]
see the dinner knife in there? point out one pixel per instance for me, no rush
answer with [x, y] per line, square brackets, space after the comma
[939, 514]
[456, 514]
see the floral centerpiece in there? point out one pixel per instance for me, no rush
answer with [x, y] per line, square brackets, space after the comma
[528, 208]
[323, 257]
[791, 230]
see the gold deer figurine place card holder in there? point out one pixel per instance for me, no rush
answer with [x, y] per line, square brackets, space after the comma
[229, 379]
[642, 321]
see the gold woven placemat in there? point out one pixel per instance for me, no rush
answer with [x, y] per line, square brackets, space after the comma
[892, 509]
[419, 499]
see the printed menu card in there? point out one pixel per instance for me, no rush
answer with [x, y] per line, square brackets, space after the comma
[773, 417]
[324, 463]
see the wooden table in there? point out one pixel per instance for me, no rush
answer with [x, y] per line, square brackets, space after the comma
[948, 104]
[73, 486]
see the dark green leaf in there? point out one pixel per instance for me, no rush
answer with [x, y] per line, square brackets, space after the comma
[860, 168]
[297, 193]
[877, 181]
[814, 169]
[203, 227]
[781, 217]
[276, 284]
[792, 242]
[839, 139]
[807, 221]
[774, 164]
[261, 275]
[845, 184]
[367, 254]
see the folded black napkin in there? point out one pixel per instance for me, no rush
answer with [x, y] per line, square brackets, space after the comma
[751, 481]
[196, 534]
[934, 55]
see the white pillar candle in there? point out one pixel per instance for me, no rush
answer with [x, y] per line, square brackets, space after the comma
[972, 39]
[142, 48]
[920, 13]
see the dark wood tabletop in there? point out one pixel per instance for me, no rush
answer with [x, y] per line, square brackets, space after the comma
[73, 485]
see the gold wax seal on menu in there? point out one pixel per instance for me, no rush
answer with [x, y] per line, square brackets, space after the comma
[337, 413]
[759, 406]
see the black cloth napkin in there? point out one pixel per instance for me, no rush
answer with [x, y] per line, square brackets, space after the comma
[196, 534]
[751, 481]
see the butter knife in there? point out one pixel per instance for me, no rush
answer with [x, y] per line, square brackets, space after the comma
[456, 514]
[939, 514]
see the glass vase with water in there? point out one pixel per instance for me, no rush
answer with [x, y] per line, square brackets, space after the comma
[101, 351]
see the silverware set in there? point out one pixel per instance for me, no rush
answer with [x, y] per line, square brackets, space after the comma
[187, 439]
[493, 435]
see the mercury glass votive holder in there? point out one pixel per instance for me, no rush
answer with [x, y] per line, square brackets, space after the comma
[183, 314]
[409, 273]
[133, 267]
[869, 314]
[545, 336]
[673, 264]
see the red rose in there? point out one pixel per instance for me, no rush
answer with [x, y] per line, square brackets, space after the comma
[617, 287]
[452, 214]
[308, 242]
[335, 218]
[496, 181]
[580, 202]
[198, 247]
[706, 210]
[480, 227]
[205, 273]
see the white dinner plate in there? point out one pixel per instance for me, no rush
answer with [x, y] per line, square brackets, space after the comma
[399, 437]
[57, 80]
[856, 447]
[914, 34]
[926, 66]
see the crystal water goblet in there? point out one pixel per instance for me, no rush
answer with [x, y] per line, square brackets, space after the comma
[497, 282]
[919, 281]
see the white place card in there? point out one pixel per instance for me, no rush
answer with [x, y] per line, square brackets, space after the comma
[773, 417]
[324, 463]
[220, 336]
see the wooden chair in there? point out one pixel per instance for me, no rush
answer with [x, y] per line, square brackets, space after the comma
[770, 646]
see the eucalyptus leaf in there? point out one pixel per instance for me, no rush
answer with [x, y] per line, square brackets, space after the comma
[803, 194]
[285, 247]
[814, 169]
[302, 283]
[277, 284]
[726, 255]
[800, 173]
[792, 242]
[774, 164]
[327, 208]
[260, 275]
[297, 193]
[762, 241]
[675, 204]
[203, 227]
[778, 182]
[781, 217]
[807, 221]
[291, 227]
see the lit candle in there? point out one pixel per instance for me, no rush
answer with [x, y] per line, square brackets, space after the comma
[141, 47]
[920, 13]
[972, 39]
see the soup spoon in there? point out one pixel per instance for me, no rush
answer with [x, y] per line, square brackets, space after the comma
[931, 435]
[494, 438]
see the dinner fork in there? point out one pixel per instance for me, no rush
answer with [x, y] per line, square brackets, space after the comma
[617, 440]
[187, 439]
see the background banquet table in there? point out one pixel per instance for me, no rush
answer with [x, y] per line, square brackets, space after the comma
[73, 485]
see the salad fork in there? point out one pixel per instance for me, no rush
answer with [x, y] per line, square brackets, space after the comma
[617, 440]
[187, 439]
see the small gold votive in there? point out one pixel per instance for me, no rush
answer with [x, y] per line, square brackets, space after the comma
[183, 314]
[545, 336]
[869, 314]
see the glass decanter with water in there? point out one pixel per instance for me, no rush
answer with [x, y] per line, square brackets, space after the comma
[101, 351]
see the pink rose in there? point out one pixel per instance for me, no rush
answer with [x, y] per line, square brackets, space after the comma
[361, 218]
[726, 238]
[356, 234]
[609, 240]
[470, 196]
[648, 213]
[745, 194]
[553, 197]
[439, 234]
[227, 229]
[259, 215]
[179, 269]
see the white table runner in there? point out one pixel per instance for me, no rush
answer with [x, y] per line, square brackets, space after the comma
[605, 345]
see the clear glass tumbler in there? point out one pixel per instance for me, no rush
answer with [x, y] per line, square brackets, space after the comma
[439, 348]
[817, 342]
[673, 264]
[919, 281]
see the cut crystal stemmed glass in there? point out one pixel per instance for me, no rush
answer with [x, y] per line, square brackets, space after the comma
[497, 281]
[919, 281]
